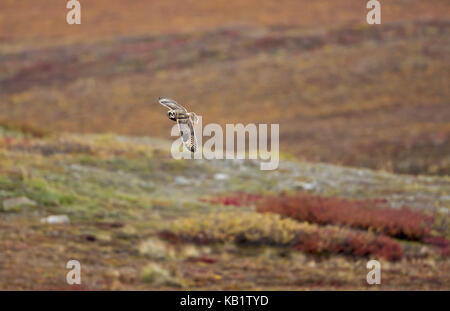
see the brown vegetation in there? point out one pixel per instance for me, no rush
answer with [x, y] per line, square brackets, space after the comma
[270, 229]
[343, 92]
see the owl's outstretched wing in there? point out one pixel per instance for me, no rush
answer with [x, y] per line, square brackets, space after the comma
[170, 103]
[187, 134]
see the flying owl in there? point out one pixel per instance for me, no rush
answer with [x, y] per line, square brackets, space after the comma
[185, 121]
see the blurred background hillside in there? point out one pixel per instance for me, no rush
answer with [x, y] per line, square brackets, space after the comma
[343, 91]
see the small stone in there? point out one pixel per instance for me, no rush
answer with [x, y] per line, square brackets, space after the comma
[190, 251]
[425, 251]
[155, 249]
[181, 180]
[56, 220]
[221, 176]
[15, 204]
[444, 210]
[305, 185]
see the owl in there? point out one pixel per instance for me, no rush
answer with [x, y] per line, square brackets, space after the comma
[185, 122]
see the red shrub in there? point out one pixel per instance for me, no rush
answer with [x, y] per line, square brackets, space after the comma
[346, 242]
[362, 214]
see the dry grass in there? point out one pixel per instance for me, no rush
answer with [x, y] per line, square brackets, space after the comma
[120, 192]
[270, 229]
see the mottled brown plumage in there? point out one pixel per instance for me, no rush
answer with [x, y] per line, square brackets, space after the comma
[185, 121]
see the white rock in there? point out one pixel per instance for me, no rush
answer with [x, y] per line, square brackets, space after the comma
[156, 249]
[221, 176]
[181, 180]
[306, 185]
[56, 219]
[444, 210]
[17, 203]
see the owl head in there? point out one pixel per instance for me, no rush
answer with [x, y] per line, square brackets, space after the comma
[172, 115]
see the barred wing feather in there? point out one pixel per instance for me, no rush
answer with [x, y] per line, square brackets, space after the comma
[187, 134]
